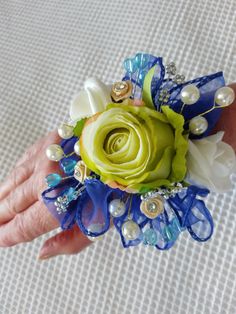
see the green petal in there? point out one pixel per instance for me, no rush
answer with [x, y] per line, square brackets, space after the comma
[147, 91]
[179, 167]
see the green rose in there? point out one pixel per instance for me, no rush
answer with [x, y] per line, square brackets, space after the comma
[135, 148]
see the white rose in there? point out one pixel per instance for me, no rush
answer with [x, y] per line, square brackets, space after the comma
[210, 163]
[92, 99]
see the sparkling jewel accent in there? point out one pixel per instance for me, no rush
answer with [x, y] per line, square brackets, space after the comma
[130, 230]
[53, 179]
[171, 68]
[63, 201]
[164, 96]
[54, 152]
[179, 79]
[121, 90]
[68, 165]
[61, 204]
[81, 172]
[190, 94]
[172, 231]
[152, 207]
[198, 125]
[116, 208]
[150, 237]
[224, 96]
[164, 192]
[77, 148]
[65, 131]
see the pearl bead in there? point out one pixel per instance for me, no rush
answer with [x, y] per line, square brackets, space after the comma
[77, 148]
[190, 94]
[198, 125]
[65, 131]
[224, 96]
[54, 152]
[130, 230]
[116, 208]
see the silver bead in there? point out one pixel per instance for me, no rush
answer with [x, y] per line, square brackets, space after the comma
[116, 208]
[190, 94]
[224, 96]
[54, 152]
[198, 125]
[65, 131]
[130, 230]
[179, 79]
[77, 148]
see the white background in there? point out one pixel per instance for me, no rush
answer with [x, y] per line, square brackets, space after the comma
[47, 49]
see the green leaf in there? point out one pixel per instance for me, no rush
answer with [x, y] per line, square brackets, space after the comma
[79, 127]
[147, 92]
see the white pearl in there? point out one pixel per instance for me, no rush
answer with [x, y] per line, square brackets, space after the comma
[224, 96]
[77, 148]
[130, 230]
[65, 131]
[190, 94]
[54, 152]
[198, 125]
[116, 208]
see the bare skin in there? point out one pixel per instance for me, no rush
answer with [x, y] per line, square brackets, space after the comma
[24, 217]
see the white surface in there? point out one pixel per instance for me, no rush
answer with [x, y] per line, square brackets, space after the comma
[47, 50]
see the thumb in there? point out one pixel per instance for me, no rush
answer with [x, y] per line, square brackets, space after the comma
[66, 242]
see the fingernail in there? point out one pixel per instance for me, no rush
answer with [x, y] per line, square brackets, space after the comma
[45, 252]
[44, 257]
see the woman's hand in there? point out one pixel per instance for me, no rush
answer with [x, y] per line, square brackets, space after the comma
[23, 215]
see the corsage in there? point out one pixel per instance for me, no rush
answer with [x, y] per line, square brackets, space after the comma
[140, 154]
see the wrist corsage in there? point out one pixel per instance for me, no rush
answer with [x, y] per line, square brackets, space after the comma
[140, 154]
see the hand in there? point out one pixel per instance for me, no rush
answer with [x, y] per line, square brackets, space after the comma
[23, 215]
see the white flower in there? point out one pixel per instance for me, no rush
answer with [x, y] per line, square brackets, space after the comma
[92, 99]
[210, 163]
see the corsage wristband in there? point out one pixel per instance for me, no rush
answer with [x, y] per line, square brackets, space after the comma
[139, 153]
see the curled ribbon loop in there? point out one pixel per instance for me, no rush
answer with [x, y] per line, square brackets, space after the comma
[193, 214]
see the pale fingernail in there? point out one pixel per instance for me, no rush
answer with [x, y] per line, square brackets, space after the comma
[44, 257]
[46, 253]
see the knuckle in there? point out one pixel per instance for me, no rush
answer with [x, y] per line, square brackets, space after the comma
[18, 174]
[10, 205]
[42, 225]
[23, 234]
